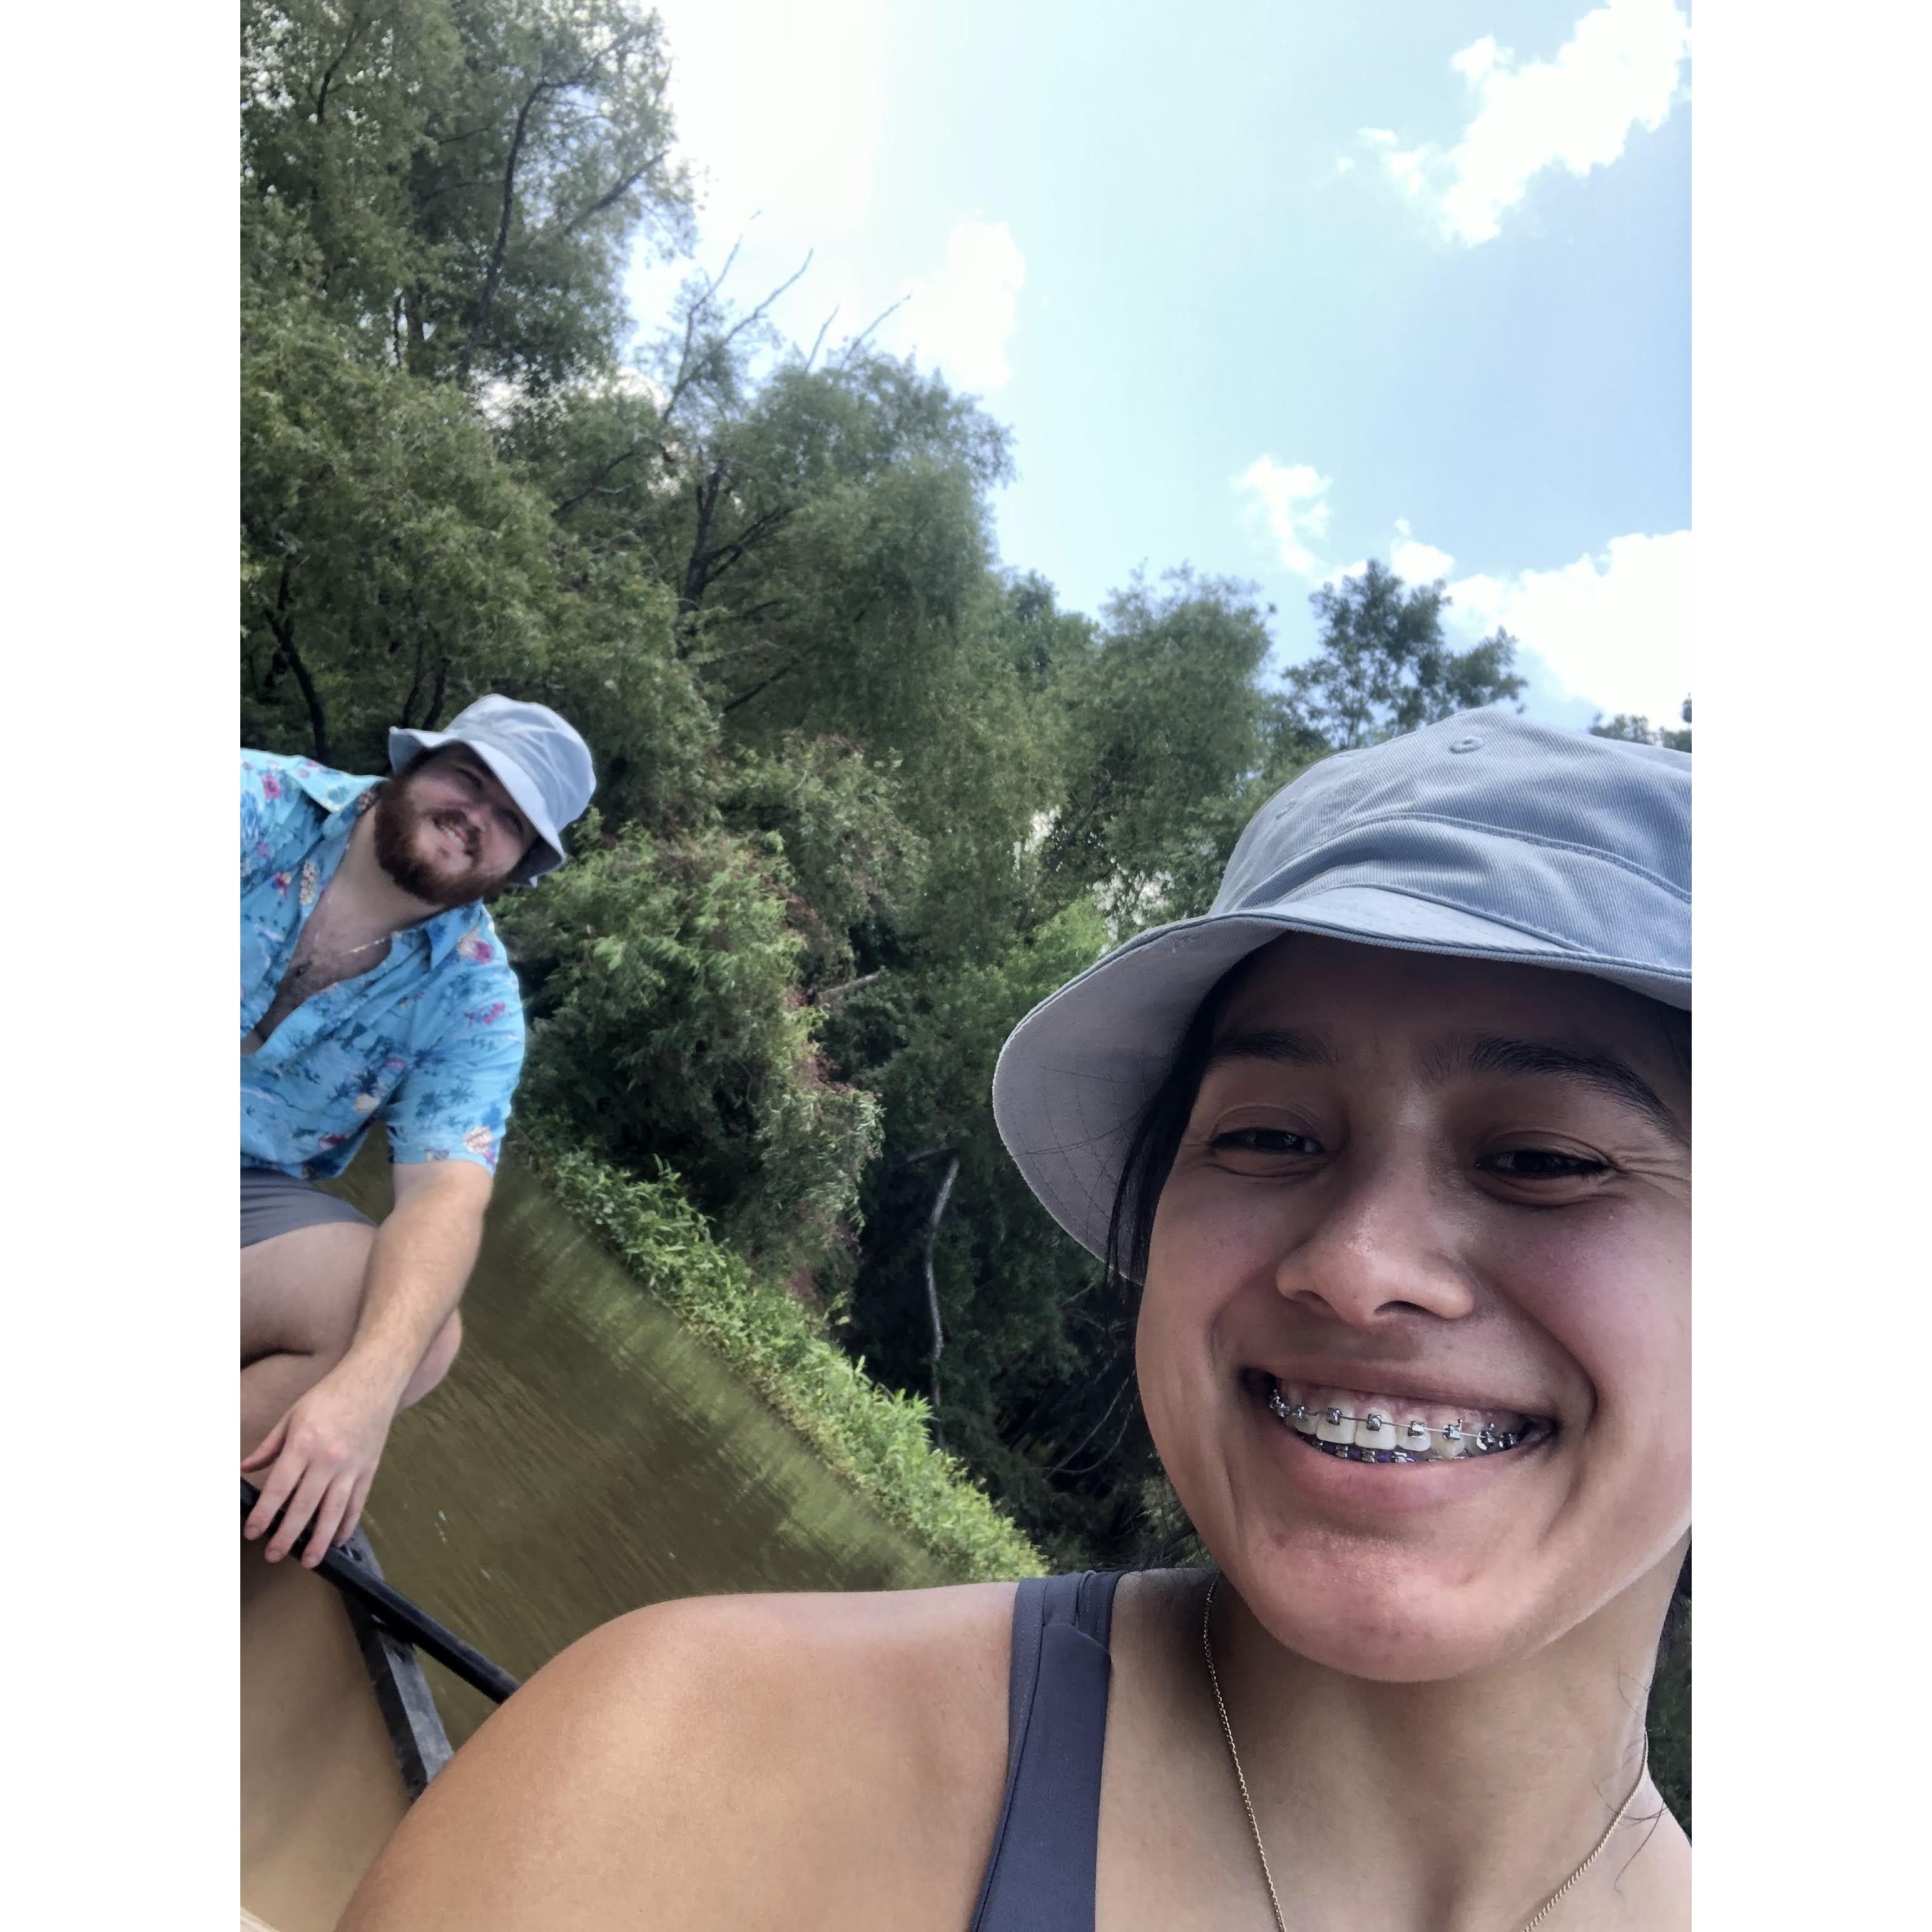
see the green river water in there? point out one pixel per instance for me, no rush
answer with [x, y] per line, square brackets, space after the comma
[586, 1456]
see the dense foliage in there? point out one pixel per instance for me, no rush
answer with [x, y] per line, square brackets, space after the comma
[866, 795]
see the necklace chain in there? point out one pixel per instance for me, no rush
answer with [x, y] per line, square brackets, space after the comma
[304, 968]
[1549, 1905]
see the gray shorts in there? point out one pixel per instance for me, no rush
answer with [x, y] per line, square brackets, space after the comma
[274, 1203]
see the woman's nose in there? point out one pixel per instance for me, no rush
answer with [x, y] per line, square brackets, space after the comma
[1384, 1248]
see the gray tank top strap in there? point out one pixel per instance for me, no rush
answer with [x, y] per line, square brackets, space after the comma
[1040, 1877]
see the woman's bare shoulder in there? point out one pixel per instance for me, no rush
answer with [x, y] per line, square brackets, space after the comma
[726, 1760]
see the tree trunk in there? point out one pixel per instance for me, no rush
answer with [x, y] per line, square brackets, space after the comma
[944, 1195]
[283, 625]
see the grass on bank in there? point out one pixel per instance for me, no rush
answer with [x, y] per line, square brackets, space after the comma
[875, 1437]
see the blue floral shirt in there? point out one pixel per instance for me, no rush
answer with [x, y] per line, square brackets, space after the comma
[429, 1043]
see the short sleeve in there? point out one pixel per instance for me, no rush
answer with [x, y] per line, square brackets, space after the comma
[454, 1102]
[273, 810]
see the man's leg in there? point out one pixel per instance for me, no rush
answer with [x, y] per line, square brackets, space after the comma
[301, 1294]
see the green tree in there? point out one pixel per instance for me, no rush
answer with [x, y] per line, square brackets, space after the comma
[389, 561]
[1169, 733]
[1382, 666]
[661, 980]
[1030, 1380]
[854, 865]
[473, 174]
[1639, 731]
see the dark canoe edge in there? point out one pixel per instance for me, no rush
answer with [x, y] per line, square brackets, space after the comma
[402, 1691]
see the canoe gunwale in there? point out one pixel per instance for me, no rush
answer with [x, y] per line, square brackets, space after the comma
[409, 1710]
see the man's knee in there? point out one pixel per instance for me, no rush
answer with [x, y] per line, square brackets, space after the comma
[301, 1291]
[435, 1363]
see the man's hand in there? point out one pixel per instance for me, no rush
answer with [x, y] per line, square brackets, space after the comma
[325, 1451]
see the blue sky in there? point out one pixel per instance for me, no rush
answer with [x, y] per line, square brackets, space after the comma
[1266, 288]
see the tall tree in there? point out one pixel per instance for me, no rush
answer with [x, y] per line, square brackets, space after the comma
[1167, 722]
[1383, 667]
[473, 173]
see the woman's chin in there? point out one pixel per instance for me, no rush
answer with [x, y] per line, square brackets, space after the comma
[1390, 1654]
[1389, 1622]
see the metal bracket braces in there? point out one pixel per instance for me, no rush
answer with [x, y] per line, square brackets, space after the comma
[1486, 1439]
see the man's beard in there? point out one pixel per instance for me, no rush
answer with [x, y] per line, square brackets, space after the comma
[398, 818]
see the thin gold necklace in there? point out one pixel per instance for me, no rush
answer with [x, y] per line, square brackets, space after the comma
[1549, 1905]
[303, 968]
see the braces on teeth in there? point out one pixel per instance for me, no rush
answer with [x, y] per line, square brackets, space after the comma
[1421, 1439]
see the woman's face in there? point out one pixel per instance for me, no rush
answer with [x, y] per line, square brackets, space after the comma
[1426, 1190]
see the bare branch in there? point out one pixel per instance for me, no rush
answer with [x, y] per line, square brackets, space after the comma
[685, 372]
[924, 1154]
[281, 622]
[932, 1286]
[838, 992]
[544, 84]
[1092, 1433]
[851, 348]
[602, 474]
[615, 193]
[329, 78]
[1127, 1422]
[714, 349]
[731, 704]
[818, 341]
[718, 561]
[497, 254]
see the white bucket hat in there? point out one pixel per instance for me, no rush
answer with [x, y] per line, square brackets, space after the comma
[539, 759]
[1484, 836]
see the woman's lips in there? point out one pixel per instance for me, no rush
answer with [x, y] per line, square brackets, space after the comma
[1365, 1425]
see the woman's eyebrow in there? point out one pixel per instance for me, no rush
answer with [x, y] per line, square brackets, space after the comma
[1586, 1065]
[1277, 1043]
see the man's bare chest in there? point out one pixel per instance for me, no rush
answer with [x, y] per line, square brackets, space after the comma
[319, 963]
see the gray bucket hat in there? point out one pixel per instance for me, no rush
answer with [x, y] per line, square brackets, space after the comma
[538, 757]
[1484, 836]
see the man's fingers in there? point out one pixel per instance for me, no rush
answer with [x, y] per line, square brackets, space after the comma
[276, 1488]
[352, 1515]
[329, 1518]
[268, 1448]
[313, 1485]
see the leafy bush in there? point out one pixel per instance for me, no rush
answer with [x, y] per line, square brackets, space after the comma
[874, 1437]
[854, 862]
[660, 975]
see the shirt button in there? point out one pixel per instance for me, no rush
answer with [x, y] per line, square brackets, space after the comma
[1467, 744]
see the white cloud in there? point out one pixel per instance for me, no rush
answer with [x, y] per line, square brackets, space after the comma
[1615, 627]
[779, 106]
[1289, 502]
[962, 318]
[1619, 70]
[1417, 562]
[1612, 628]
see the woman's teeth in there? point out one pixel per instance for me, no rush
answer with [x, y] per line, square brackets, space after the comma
[1374, 1428]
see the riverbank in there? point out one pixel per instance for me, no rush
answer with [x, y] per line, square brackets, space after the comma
[877, 1438]
[590, 1453]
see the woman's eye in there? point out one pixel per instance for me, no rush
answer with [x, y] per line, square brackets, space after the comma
[1265, 1140]
[1541, 1164]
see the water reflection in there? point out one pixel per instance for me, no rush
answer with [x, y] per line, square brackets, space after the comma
[586, 1456]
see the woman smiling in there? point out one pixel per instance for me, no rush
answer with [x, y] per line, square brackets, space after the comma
[1395, 1141]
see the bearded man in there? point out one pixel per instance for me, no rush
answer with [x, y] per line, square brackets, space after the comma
[374, 990]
